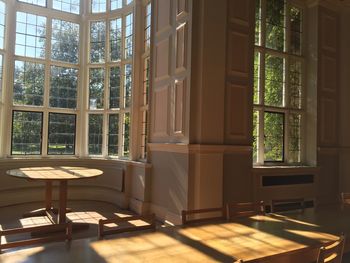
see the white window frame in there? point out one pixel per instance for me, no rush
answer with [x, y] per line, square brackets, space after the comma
[286, 109]
[82, 111]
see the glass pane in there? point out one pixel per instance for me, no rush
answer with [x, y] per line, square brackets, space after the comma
[30, 35]
[70, 6]
[113, 135]
[61, 133]
[275, 24]
[114, 88]
[98, 6]
[96, 88]
[147, 30]
[97, 41]
[127, 85]
[255, 135]
[29, 82]
[144, 135]
[128, 1]
[295, 83]
[35, 2]
[128, 36]
[126, 134]
[116, 4]
[257, 22]
[115, 36]
[63, 87]
[296, 30]
[95, 134]
[65, 41]
[2, 23]
[256, 77]
[146, 75]
[274, 81]
[26, 133]
[274, 136]
[294, 138]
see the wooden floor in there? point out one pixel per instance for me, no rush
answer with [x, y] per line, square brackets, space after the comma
[293, 237]
[83, 212]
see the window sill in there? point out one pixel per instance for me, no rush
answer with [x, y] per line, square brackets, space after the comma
[285, 169]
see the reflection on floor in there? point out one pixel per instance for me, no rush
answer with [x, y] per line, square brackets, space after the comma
[83, 212]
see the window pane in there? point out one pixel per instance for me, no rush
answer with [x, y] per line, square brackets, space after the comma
[115, 36]
[95, 134]
[257, 22]
[114, 88]
[96, 88]
[146, 75]
[97, 41]
[126, 134]
[275, 24]
[26, 132]
[256, 77]
[30, 35]
[128, 1]
[63, 88]
[127, 85]
[294, 138]
[144, 135]
[113, 134]
[34, 2]
[296, 30]
[65, 41]
[61, 133]
[274, 136]
[255, 135]
[116, 4]
[29, 81]
[2, 23]
[295, 83]
[274, 80]
[98, 6]
[147, 30]
[128, 36]
[70, 6]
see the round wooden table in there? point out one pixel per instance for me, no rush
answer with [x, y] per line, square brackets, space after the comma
[50, 174]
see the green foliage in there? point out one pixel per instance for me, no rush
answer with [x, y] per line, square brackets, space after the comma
[61, 133]
[26, 132]
[65, 41]
[96, 88]
[95, 133]
[273, 133]
[113, 135]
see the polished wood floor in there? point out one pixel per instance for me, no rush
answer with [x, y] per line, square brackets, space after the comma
[291, 237]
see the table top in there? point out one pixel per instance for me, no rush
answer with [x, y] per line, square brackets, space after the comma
[54, 173]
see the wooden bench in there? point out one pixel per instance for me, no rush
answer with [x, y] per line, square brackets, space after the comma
[201, 215]
[66, 227]
[234, 210]
[123, 224]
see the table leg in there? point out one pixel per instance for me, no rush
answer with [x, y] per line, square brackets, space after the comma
[62, 202]
[48, 203]
[48, 196]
